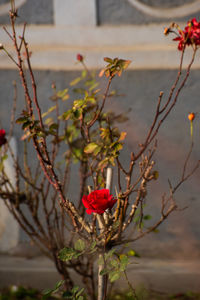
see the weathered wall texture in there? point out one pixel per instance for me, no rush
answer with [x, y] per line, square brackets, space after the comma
[145, 12]
[55, 39]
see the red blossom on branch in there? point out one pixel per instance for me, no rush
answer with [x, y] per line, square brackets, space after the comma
[189, 36]
[2, 137]
[98, 201]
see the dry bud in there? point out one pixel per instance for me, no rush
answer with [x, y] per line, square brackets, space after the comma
[53, 86]
[167, 30]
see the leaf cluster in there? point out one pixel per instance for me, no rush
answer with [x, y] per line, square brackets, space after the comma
[114, 67]
[115, 264]
[76, 293]
[79, 249]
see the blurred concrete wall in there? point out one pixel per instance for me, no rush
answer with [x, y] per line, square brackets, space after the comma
[130, 29]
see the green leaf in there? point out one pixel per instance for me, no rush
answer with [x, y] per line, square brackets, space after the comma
[113, 276]
[47, 293]
[48, 121]
[63, 94]
[77, 113]
[79, 293]
[93, 247]
[93, 86]
[114, 263]
[97, 150]
[103, 163]
[147, 217]
[124, 259]
[53, 127]
[52, 108]
[109, 254]
[66, 115]
[77, 152]
[90, 148]
[21, 120]
[40, 134]
[68, 254]
[104, 272]
[4, 157]
[75, 81]
[67, 294]
[80, 103]
[84, 73]
[59, 284]
[108, 60]
[75, 289]
[26, 124]
[79, 245]
[116, 146]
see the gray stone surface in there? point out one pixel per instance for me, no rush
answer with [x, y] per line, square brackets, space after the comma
[120, 12]
[166, 3]
[179, 236]
[75, 13]
[32, 12]
[168, 276]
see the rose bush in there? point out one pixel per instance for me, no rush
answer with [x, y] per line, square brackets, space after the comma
[98, 201]
[57, 223]
[2, 137]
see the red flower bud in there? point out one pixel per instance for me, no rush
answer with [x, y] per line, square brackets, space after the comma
[2, 137]
[79, 57]
[191, 116]
[98, 201]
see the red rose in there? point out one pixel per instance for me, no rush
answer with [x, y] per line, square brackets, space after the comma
[98, 201]
[2, 137]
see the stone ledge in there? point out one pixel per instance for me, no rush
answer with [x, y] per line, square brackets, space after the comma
[170, 276]
[55, 47]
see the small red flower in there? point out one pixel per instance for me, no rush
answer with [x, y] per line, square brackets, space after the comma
[2, 137]
[189, 36]
[79, 57]
[98, 201]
